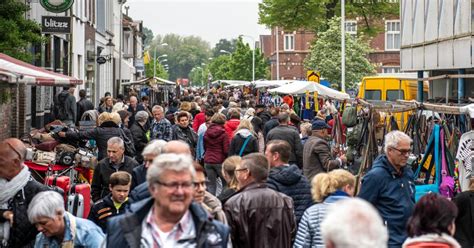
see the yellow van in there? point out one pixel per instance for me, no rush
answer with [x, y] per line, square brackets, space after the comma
[392, 88]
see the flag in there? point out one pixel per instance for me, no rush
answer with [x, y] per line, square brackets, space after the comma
[146, 57]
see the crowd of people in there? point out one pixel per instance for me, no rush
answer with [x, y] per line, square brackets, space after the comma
[217, 169]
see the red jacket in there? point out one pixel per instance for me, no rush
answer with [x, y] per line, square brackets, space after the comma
[230, 127]
[198, 120]
[216, 144]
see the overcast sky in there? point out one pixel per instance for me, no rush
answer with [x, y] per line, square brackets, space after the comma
[212, 20]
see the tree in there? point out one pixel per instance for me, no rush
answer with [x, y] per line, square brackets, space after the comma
[183, 53]
[223, 44]
[160, 70]
[325, 56]
[220, 67]
[148, 36]
[241, 63]
[315, 14]
[16, 32]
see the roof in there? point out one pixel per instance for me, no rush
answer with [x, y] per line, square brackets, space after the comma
[16, 71]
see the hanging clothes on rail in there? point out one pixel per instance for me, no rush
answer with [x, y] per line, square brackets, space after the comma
[464, 154]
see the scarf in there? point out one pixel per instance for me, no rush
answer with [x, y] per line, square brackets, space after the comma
[8, 190]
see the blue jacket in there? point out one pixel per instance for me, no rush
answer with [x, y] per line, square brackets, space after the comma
[290, 181]
[309, 229]
[87, 234]
[392, 195]
[125, 230]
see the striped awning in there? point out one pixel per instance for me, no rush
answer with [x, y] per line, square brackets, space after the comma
[16, 71]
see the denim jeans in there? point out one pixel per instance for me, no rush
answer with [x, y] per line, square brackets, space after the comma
[213, 172]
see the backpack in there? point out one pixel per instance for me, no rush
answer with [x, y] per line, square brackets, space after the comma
[349, 117]
[61, 105]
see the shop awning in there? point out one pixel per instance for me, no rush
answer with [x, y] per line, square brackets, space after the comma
[16, 71]
[301, 87]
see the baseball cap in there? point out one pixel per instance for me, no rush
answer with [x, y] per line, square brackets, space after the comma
[319, 125]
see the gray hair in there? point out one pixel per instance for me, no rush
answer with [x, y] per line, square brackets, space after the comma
[45, 204]
[116, 140]
[154, 147]
[306, 128]
[169, 162]
[141, 116]
[354, 223]
[393, 138]
[157, 107]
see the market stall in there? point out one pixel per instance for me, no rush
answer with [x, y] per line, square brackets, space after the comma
[302, 87]
[158, 89]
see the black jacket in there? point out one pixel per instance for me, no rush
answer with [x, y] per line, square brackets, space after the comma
[139, 139]
[238, 141]
[100, 181]
[105, 209]
[83, 105]
[138, 176]
[23, 233]
[268, 126]
[101, 135]
[290, 135]
[125, 230]
[465, 220]
[290, 181]
[187, 135]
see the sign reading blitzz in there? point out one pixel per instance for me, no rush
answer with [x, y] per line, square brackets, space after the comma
[56, 6]
[56, 24]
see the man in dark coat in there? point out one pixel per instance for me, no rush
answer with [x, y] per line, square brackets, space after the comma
[182, 131]
[171, 185]
[271, 123]
[115, 161]
[259, 216]
[317, 155]
[389, 186]
[133, 108]
[17, 189]
[138, 130]
[289, 134]
[83, 105]
[287, 178]
[65, 108]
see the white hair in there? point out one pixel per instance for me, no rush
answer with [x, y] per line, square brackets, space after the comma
[141, 116]
[116, 140]
[154, 147]
[45, 204]
[393, 138]
[354, 223]
[169, 162]
[157, 107]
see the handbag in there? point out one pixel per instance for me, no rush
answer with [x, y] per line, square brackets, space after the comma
[446, 188]
[433, 145]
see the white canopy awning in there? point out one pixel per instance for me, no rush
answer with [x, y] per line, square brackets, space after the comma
[271, 83]
[16, 71]
[234, 83]
[301, 87]
[149, 80]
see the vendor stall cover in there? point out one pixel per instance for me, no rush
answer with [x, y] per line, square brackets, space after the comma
[301, 87]
[16, 71]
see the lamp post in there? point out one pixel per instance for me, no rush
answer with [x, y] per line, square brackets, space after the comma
[253, 55]
[343, 47]
[154, 57]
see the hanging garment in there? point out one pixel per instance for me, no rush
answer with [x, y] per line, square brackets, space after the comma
[464, 154]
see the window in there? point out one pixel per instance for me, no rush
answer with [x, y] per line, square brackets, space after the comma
[289, 42]
[392, 35]
[393, 95]
[351, 28]
[372, 95]
[391, 69]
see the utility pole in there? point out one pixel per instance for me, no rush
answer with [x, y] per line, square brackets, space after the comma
[277, 56]
[343, 46]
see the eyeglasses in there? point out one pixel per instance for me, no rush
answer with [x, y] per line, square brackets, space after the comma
[177, 185]
[403, 152]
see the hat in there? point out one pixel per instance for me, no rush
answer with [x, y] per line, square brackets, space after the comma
[319, 125]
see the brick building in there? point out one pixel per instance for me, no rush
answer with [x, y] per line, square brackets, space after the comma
[295, 46]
